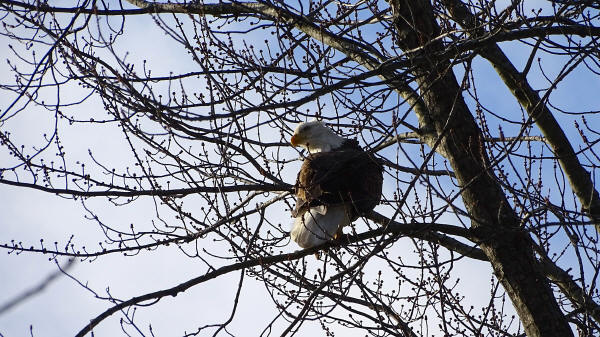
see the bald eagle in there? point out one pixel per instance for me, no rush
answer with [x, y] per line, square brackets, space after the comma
[337, 182]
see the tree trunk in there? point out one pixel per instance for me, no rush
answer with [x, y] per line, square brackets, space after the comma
[495, 223]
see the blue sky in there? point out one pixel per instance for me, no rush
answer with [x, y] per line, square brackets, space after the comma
[63, 309]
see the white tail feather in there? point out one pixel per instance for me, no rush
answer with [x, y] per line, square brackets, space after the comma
[319, 224]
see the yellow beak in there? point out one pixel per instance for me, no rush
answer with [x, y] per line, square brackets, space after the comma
[295, 140]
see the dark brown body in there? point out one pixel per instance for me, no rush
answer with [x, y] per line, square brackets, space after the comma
[346, 175]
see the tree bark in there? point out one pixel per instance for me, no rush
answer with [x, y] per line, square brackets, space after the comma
[580, 179]
[494, 222]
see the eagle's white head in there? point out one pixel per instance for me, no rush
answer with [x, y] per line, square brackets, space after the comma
[316, 137]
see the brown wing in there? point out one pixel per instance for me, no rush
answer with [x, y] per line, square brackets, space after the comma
[329, 178]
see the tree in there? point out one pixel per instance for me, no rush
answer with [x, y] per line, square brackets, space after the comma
[496, 168]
